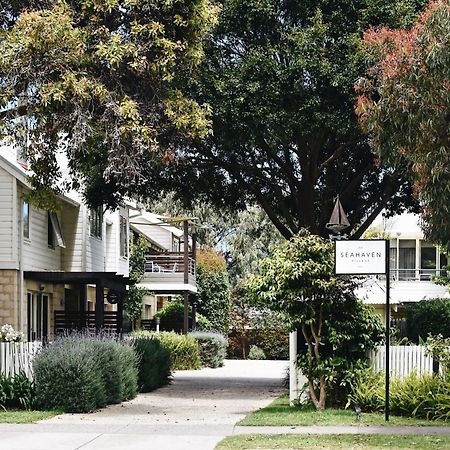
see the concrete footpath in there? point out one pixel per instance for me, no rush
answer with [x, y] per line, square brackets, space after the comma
[196, 411]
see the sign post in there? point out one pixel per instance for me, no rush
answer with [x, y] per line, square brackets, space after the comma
[367, 257]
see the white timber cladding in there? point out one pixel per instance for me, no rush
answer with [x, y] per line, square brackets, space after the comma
[114, 261]
[8, 221]
[95, 247]
[37, 255]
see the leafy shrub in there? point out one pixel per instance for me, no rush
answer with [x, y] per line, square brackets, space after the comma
[213, 347]
[82, 373]
[16, 391]
[183, 350]
[256, 353]
[154, 363]
[426, 396]
[428, 317]
[172, 317]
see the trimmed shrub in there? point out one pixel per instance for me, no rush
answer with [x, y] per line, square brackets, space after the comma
[154, 363]
[426, 396]
[183, 350]
[213, 348]
[82, 373]
[428, 316]
[256, 353]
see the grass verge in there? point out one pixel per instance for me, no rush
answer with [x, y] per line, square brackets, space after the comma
[279, 413]
[20, 416]
[342, 441]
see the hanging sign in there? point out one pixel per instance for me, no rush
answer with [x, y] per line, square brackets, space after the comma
[360, 257]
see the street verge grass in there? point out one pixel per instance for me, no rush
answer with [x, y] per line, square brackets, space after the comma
[279, 413]
[22, 416]
[341, 441]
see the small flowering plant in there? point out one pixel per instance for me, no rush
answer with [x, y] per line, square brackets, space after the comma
[8, 334]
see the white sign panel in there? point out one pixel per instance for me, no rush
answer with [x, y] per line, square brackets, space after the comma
[361, 257]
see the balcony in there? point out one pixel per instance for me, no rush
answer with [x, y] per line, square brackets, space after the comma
[169, 273]
[416, 274]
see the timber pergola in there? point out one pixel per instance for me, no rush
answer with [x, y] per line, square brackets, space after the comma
[109, 280]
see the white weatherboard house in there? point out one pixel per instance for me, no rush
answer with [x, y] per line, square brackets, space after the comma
[170, 266]
[58, 269]
[413, 263]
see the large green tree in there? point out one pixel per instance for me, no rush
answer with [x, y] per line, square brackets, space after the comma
[404, 104]
[298, 280]
[279, 77]
[103, 81]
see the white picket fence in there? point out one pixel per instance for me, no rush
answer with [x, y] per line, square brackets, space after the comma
[18, 356]
[403, 359]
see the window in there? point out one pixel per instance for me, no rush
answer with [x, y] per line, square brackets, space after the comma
[96, 220]
[26, 220]
[54, 229]
[123, 237]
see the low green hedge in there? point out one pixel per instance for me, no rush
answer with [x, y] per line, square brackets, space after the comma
[426, 396]
[83, 373]
[154, 363]
[184, 351]
[212, 346]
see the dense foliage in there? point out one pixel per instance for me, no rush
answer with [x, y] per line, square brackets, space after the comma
[426, 396]
[212, 346]
[279, 77]
[16, 391]
[183, 349]
[213, 289]
[298, 280]
[83, 373]
[404, 104]
[154, 363]
[172, 316]
[105, 82]
[428, 316]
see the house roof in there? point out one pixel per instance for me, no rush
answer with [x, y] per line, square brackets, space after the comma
[9, 163]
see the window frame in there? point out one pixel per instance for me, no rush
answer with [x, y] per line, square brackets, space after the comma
[96, 222]
[26, 222]
[123, 237]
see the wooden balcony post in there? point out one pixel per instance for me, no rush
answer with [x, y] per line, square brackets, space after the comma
[186, 251]
[186, 312]
[99, 305]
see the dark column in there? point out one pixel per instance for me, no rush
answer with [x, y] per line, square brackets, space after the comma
[44, 319]
[82, 305]
[99, 305]
[186, 313]
[120, 314]
[186, 251]
[194, 314]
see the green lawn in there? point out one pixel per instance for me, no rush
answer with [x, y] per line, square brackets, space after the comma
[279, 413]
[20, 416]
[343, 441]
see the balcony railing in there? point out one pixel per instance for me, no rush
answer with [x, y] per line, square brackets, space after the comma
[416, 274]
[169, 263]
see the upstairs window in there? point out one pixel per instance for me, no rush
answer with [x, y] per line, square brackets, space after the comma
[96, 221]
[123, 237]
[26, 219]
[54, 230]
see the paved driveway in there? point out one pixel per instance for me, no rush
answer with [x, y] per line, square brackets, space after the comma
[194, 412]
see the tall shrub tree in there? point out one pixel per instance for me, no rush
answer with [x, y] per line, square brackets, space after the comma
[213, 289]
[103, 81]
[298, 280]
[404, 104]
[279, 77]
